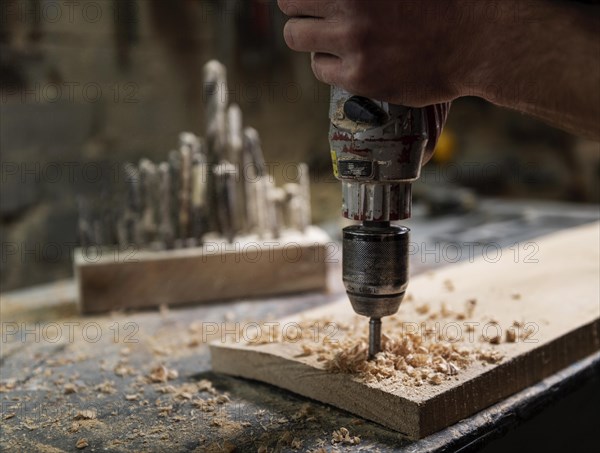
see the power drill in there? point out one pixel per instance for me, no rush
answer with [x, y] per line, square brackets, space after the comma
[377, 151]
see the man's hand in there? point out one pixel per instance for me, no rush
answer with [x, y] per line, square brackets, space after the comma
[385, 49]
[536, 56]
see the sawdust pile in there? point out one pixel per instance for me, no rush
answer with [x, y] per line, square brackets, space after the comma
[412, 357]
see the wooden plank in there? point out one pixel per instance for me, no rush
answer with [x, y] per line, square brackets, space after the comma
[111, 280]
[552, 291]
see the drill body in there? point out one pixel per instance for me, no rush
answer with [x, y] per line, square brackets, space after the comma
[377, 151]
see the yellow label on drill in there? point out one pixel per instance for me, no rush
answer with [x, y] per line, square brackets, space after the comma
[334, 162]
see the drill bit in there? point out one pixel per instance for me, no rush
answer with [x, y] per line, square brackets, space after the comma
[374, 337]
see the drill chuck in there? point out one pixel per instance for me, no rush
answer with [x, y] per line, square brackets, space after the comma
[375, 267]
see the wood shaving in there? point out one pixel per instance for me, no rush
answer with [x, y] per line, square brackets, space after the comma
[436, 378]
[106, 387]
[162, 350]
[210, 405]
[205, 385]
[422, 309]
[164, 411]
[167, 389]
[304, 413]
[69, 388]
[527, 333]
[496, 339]
[511, 335]
[8, 385]
[87, 414]
[342, 436]
[82, 443]
[161, 373]
[489, 356]
[222, 399]
[122, 369]
[204, 405]
[194, 342]
[307, 350]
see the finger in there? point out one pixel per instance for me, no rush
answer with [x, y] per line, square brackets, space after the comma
[327, 68]
[310, 35]
[308, 8]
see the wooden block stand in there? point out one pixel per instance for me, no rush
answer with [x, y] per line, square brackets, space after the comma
[110, 279]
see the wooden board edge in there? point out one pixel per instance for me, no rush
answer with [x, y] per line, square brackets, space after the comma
[515, 375]
[293, 376]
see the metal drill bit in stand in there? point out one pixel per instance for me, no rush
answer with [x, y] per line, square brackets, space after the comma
[129, 229]
[225, 176]
[165, 229]
[256, 185]
[199, 206]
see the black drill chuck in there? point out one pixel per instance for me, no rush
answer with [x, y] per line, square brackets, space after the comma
[375, 267]
[375, 272]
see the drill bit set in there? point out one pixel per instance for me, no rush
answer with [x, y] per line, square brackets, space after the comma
[211, 188]
[206, 224]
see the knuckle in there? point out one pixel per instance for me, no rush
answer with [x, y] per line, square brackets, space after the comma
[288, 35]
[330, 10]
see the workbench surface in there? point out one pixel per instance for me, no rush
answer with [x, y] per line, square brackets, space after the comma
[143, 381]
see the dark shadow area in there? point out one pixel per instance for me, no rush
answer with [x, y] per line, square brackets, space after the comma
[571, 424]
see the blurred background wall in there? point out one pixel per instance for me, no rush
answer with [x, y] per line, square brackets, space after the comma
[88, 85]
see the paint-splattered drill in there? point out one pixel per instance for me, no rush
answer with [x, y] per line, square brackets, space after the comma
[377, 151]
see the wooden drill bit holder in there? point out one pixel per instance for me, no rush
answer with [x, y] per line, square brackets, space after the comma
[112, 279]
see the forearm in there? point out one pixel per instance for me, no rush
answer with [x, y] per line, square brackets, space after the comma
[546, 63]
